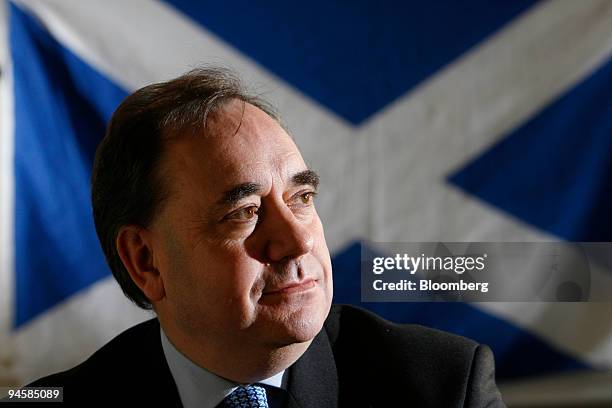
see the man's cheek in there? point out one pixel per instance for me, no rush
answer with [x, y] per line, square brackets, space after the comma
[243, 277]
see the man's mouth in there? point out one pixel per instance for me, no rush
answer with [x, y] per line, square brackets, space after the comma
[291, 288]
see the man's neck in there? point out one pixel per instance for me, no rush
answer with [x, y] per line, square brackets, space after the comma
[234, 359]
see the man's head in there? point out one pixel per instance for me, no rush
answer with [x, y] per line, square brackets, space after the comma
[204, 208]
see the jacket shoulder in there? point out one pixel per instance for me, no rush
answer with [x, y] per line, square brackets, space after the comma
[130, 368]
[374, 353]
[124, 347]
[350, 321]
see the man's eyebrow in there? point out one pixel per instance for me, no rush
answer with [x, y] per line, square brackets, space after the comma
[239, 192]
[306, 177]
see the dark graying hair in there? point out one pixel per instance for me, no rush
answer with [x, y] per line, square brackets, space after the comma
[126, 188]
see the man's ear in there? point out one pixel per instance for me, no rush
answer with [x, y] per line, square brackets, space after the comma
[135, 247]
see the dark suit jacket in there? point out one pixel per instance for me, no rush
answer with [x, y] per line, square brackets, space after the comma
[357, 360]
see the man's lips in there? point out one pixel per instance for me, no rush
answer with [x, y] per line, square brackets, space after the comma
[293, 287]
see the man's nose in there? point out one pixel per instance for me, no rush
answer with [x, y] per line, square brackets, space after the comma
[288, 237]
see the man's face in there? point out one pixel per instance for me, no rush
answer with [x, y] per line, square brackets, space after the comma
[241, 248]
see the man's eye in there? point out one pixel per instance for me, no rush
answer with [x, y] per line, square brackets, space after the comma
[307, 197]
[244, 214]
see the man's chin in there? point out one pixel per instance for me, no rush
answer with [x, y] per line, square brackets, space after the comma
[291, 336]
[298, 327]
[296, 318]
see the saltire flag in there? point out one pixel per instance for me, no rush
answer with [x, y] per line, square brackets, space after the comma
[428, 122]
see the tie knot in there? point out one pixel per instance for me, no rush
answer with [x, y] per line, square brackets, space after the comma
[250, 396]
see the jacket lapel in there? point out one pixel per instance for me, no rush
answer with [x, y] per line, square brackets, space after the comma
[313, 380]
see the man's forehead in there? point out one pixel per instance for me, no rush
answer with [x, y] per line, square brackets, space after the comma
[237, 117]
[241, 144]
[243, 128]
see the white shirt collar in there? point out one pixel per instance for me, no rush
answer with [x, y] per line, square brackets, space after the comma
[198, 387]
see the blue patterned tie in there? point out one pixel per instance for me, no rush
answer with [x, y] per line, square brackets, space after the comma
[251, 396]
